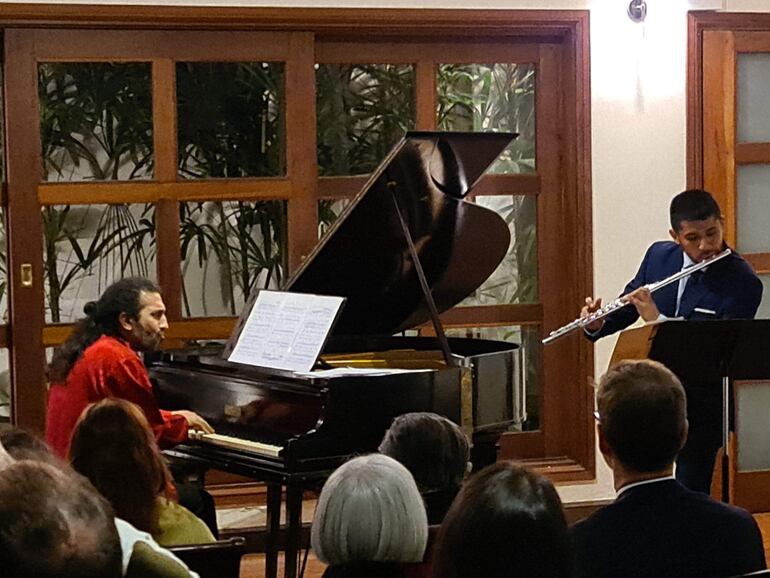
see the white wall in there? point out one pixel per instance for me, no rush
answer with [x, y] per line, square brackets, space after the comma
[638, 75]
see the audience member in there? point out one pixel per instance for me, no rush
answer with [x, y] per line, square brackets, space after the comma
[505, 522]
[22, 445]
[656, 526]
[53, 525]
[370, 520]
[114, 447]
[137, 547]
[436, 452]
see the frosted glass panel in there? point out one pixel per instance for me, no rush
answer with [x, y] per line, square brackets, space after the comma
[753, 208]
[764, 307]
[753, 95]
[753, 404]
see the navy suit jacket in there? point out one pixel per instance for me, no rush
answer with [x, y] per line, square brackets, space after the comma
[663, 529]
[729, 288]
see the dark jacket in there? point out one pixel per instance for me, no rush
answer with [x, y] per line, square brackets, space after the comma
[664, 529]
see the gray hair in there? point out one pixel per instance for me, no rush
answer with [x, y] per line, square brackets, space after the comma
[370, 510]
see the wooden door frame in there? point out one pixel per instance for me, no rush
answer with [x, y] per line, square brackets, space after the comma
[698, 22]
[567, 439]
[709, 151]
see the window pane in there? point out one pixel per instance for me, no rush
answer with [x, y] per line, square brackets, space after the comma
[5, 389]
[491, 97]
[230, 119]
[515, 279]
[753, 208]
[329, 211]
[229, 249]
[753, 87]
[3, 269]
[529, 338]
[96, 121]
[764, 306]
[87, 247]
[362, 111]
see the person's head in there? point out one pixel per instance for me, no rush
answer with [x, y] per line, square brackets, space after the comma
[434, 449]
[22, 445]
[54, 525]
[369, 510]
[696, 224]
[113, 446]
[642, 413]
[131, 309]
[506, 521]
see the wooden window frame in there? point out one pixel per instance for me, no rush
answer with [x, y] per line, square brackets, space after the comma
[564, 447]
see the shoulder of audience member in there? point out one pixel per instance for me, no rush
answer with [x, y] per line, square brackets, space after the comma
[149, 553]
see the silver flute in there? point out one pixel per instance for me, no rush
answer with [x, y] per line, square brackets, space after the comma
[621, 301]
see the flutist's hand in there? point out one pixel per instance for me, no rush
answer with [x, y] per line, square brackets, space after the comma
[642, 299]
[590, 307]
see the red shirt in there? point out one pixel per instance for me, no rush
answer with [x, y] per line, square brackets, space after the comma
[107, 368]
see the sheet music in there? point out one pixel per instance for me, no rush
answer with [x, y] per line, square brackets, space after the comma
[286, 330]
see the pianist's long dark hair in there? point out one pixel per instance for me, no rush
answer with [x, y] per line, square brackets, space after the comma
[102, 318]
[114, 447]
[506, 521]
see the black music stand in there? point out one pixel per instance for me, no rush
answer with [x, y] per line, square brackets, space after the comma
[705, 355]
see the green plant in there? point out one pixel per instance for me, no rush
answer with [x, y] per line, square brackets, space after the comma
[491, 97]
[362, 111]
[246, 239]
[95, 124]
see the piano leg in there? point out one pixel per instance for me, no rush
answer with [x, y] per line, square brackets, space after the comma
[273, 523]
[293, 528]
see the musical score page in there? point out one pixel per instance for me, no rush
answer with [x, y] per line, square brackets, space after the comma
[286, 330]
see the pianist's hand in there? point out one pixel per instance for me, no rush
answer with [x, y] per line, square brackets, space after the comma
[194, 421]
[590, 307]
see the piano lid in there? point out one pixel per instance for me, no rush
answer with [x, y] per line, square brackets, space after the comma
[365, 257]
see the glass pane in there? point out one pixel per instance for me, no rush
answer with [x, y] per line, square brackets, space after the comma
[87, 247]
[753, 89]
[753, 208]
[229, 249]
[96, 121]
[2, 123]
[764, 306]
[491, 97]
[515, 279]
[362, 111]
[5, 388]
[328, 212]
[527, 336]
[3, 270]
[230, 119]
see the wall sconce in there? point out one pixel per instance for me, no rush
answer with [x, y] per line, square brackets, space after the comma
[637, 10]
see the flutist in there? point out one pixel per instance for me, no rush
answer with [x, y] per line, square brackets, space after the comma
[727, 289]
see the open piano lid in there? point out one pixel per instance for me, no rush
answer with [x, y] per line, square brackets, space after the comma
[365, 257]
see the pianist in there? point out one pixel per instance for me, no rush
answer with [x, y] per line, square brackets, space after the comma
[101, 359]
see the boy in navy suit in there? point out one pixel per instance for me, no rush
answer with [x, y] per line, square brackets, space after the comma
[728, 289]
[656, 526]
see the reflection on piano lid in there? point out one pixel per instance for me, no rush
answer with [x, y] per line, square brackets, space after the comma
[317, 421]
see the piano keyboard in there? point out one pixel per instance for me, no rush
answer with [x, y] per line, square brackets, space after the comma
[236, 443]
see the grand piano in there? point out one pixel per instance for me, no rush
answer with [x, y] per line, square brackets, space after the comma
[406, 248]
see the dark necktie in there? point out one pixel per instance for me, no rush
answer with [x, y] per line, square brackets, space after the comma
[693, 282]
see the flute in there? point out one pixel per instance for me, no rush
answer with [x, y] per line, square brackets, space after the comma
[621, 302]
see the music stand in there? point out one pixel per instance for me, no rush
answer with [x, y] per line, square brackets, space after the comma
[704, 354]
